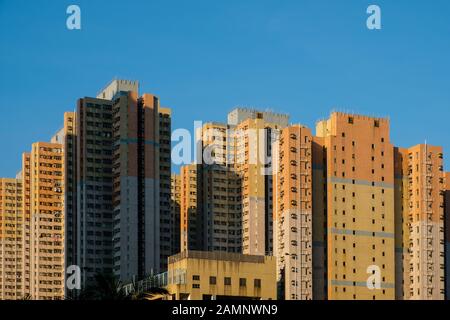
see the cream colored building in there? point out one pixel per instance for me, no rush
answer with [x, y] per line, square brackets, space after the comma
[11, 239]
[293, 213]
[46, 223]
[197, 275]
[253, 135]
[420, 190]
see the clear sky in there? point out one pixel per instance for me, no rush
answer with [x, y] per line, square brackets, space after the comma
[204, 57]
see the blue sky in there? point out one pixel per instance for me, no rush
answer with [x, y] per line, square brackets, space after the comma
[203, 57]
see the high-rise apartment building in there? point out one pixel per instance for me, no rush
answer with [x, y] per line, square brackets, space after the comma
[11, 239]
[25, 176]
[447, 235]
[118, 180]
[360, 206]
[211, 198]
[175, 207]
[420, 190]
[190, 215]
[46, 224]
[88, 176]
[253, 134]
[68, 140]
[141, 192]
[219, 192]
[229, 190]
[319, 218]
[166, 217]
[293, 213]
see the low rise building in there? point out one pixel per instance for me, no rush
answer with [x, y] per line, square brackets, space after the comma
[200, 275]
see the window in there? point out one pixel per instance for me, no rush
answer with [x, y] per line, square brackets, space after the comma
[257, 283]
[196, 278]
[195, 286]
[242, 282]
[212, 280]
[227, 281]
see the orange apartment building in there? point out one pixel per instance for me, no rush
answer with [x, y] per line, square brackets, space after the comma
[293, 213]
[46, 224]
[359, 168]
[420, 191]
[11, 240]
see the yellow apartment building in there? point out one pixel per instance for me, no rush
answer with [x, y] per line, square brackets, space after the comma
[197, 275]
[359, 188]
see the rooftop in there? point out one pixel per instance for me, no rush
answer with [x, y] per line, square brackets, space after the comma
[222, 256]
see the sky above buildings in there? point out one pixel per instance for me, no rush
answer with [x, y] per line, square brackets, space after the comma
[203, 58]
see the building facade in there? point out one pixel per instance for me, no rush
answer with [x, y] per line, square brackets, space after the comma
[420, 191]
[231, 207]
[293, 213]
[89, 151]
[253, 134]
[118, 211]
[197, 275]
[11, 240]
[360, 207]
[190, 217]
[175, 208]
[46, 247]
[141, 185]
[447, 235]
